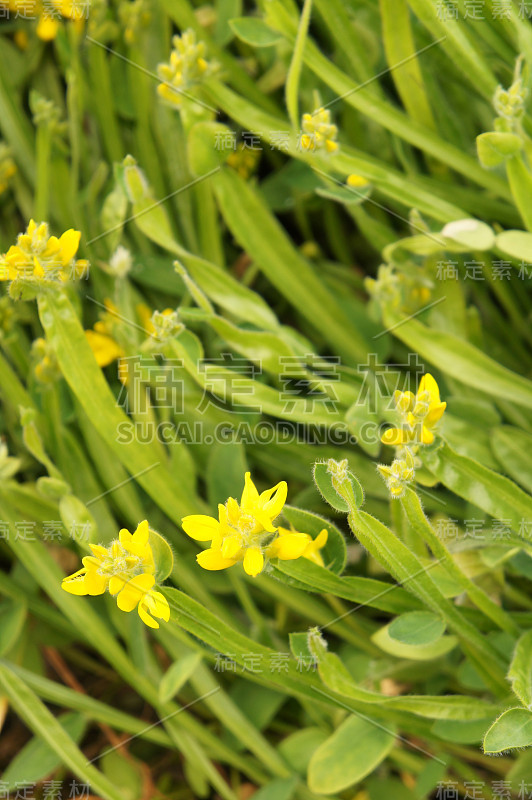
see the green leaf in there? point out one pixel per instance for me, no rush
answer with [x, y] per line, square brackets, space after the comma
[76, 517]
[124, 772]
[362, 591]
[494, 148]
[513, 729]
[488, 490]
[517, 244]
[13, 615]
[520, 181]
[323, 478]
[281, 789]
[254, 31]
[344, 195]
[298, 747]
[470, 233]
[460, 360]
[296, 64]
[226, 469]
[400, 48]
[354, 750]
[334, 553]
[37, 759]
[42, 722]
[421, 652]
[162, 556]
[417, 628]
[78, 365]
[204, 146]
[512, 447]
[520, 672]
[177, 675]
[259, 233]
[461, 732]
[337, 678]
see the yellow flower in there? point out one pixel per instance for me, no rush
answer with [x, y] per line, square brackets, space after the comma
[318, 131]
[187, 67]
[420, 414]
[357, 181]
[127, 570]
[101, 340]
[105, 348]
[242, 532]
[291, 544]
[39, 257]
[48, 14]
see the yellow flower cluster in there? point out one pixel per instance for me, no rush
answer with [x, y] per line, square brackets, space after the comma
[246, 532]
[319, 132]
[38, 257]
[48, 14]
[127, 570]
[420, 413]
[186, 68]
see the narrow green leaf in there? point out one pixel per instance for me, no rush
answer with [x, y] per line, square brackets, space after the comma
[254, 31]
[493, 493]
[294, 71]
[13, 614]
[177, 675]
[261, 236]
[401, 49]
[512, 447]
[42, 722]
[37, 760]
[361, 591]
[520, 181]
[460, 360]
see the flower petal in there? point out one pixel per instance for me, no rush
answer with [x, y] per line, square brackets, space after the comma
[75, 584]
[394, 436]
[145, 617]
[435, 414]
[134, 591]
[273, 500]
[69, 243]
[213, 560]
[250, 494]
[291, 545]
[230, 547]
[116, 584]
[95, 583]
[253, 561]
[428, 384]
[200, 527]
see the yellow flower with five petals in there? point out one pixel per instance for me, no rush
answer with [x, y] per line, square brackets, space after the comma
[242, 532]
[127, 570]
